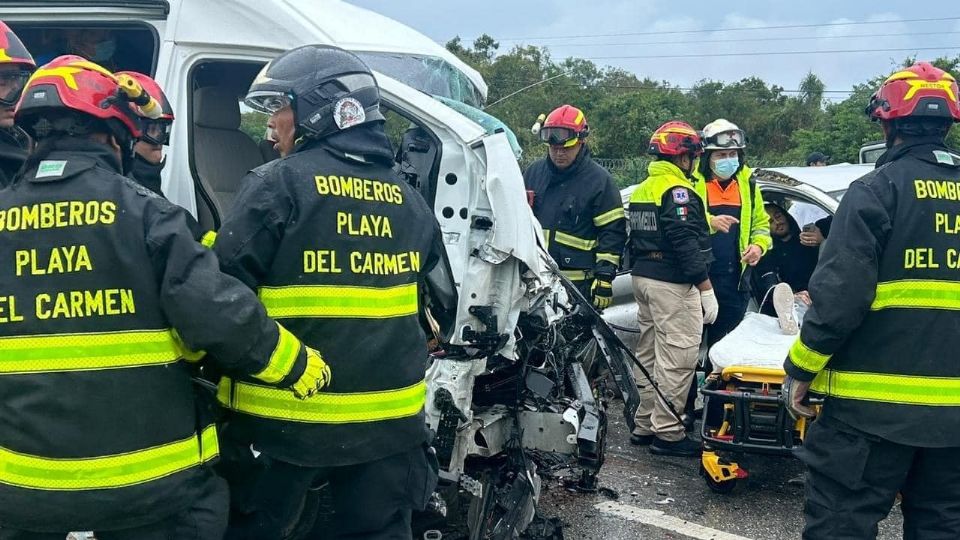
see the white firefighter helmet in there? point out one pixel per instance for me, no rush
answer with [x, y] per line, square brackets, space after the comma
[722, 134]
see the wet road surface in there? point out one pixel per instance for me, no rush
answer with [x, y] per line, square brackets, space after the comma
[665, 498]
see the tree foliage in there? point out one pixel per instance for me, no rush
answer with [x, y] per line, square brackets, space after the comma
[782, 126]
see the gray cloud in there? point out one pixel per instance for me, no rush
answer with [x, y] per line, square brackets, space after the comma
[537, 18]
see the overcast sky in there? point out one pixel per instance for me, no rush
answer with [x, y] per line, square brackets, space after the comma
[507, 20]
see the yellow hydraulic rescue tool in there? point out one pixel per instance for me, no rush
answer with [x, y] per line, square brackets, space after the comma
[146, 104]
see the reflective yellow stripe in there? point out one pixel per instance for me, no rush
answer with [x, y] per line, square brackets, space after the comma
[323, 408]
[283, 358]
[340, 301]
[609, 217]
[119, 470]
[546, 238]
[608, 257]
[902, 389]
[572, 241]
[208, 238]
[806, 358]
[575, 275]
[209, 444]
[917, 294]
[91, 351]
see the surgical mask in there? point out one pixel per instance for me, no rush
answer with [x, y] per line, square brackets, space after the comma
[104, 50]
[724, 168]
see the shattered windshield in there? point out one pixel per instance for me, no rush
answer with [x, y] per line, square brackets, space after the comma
[488, 122]
[429, 74]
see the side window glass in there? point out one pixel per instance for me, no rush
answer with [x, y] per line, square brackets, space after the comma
[117, 47]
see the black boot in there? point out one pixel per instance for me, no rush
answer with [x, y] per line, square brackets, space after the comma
[685, 447]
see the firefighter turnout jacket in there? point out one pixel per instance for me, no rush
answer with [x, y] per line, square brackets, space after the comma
[335, 244]
[13, 152]
[581, 213]
[669, 236]
[105, 291]
[754, 226]
[881, 338]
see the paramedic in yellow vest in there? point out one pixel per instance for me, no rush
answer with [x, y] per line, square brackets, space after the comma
[739, 226]
[670, 257]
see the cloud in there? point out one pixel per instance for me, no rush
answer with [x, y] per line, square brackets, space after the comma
[541, 18]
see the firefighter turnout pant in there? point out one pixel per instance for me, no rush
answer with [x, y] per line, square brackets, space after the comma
[205, 519]
[273, 499]
[671, 324]
[853, 480]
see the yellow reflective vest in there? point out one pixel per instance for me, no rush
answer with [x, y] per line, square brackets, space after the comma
[669, 238]
[754, 221]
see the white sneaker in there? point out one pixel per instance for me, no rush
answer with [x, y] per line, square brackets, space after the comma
[783, 305]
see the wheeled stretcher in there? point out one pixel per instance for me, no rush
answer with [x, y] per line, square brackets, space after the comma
[742, 410]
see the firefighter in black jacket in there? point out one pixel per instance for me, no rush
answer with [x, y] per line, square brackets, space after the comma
[336, 245]
[16, 64]
[105, 294]
[148, 159]
[578, 205]
[881, 338]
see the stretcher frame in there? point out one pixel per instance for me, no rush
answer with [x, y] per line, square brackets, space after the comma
[755, 421]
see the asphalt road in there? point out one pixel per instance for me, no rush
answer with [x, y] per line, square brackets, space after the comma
[767, 506]
[665, 498]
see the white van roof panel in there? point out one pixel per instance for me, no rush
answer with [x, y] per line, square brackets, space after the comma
[284, 24]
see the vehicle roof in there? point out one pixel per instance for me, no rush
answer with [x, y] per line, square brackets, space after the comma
[823, 181]
[828, 179]
[283, 24]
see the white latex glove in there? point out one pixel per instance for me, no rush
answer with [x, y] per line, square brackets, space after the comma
[710, 306]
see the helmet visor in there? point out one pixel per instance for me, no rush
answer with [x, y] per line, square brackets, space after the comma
[156, 132]
[559, 136]
[11, 85]
[728, 139]
[267, 101]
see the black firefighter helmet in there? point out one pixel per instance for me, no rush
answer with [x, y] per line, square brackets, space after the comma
[328, 88]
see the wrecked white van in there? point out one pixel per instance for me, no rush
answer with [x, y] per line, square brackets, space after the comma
[516, 368]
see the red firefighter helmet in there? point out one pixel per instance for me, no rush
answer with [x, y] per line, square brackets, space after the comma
[155, 130]
[71, 83]
[919, 91]
[565, 126]
[12, 52]
[676, 139]
[153, 88]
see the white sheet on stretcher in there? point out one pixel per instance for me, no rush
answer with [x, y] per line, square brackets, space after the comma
[756, 342]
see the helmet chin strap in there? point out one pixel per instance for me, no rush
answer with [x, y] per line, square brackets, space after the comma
[891, 131]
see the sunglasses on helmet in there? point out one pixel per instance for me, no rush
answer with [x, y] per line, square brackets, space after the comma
[559, 136]
[727, 139]
[267, 102]
[156, 131]
[11, 85]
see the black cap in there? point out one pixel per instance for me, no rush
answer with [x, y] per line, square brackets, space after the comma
[817, 156]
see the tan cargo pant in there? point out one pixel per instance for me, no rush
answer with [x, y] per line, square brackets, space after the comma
[671, 325]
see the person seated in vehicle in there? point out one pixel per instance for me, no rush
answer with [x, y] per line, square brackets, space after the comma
[96, 44]
[789, 261]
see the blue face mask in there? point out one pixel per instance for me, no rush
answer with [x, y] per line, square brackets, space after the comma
[724, 168]
[104, 50]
